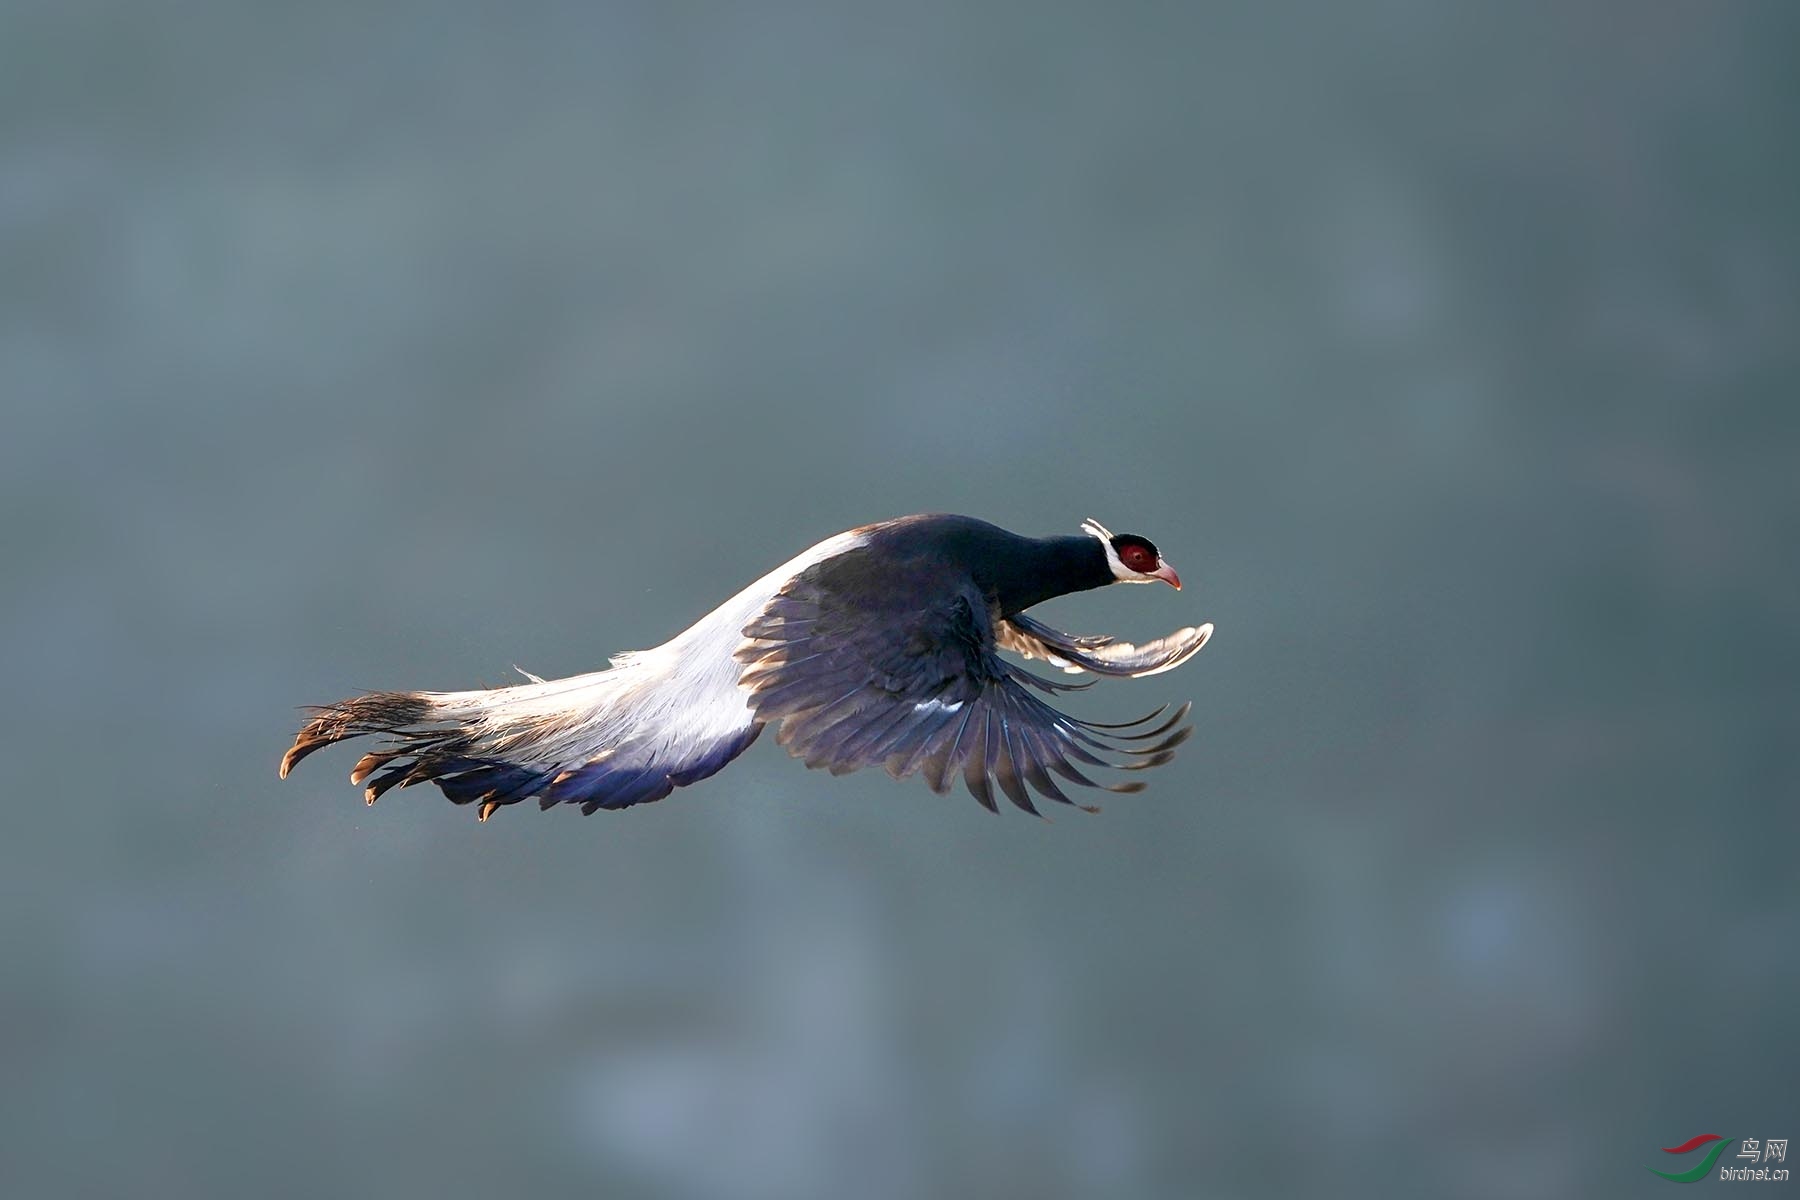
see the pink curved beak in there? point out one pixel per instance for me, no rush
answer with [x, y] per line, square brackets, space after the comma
[1167, 574]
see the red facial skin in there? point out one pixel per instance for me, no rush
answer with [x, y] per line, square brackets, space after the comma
[1138, 559]
[1144, 561]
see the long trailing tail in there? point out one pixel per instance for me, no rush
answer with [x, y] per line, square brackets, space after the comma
[656, 720]
[609, 739]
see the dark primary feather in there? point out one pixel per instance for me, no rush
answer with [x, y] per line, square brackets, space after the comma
[867, 658]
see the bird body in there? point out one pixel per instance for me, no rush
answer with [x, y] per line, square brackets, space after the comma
[877, 645]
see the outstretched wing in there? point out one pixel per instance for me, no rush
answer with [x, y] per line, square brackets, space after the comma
[856, 674]
[1099, 653]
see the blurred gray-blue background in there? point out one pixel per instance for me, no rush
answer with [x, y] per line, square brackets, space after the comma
[1451, 353]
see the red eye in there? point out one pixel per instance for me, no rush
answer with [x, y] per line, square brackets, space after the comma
[1139, 559]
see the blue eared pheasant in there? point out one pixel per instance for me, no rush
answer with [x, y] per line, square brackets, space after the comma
[880, 645]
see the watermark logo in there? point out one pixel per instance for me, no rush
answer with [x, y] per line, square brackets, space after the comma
[1755, 1150]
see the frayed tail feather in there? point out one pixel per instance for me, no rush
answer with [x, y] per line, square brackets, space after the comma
[429, 745]
[377, 712]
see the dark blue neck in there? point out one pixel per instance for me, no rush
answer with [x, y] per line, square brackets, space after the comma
[1033, 570]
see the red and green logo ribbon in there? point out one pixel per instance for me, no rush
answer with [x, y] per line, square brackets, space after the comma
[1694, 1143]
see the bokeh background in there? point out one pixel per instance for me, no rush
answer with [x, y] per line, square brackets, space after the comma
[1451, 353]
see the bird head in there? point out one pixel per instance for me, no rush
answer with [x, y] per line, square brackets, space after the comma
[1133, 559]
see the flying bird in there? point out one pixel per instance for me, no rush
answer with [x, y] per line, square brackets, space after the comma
[880, 645]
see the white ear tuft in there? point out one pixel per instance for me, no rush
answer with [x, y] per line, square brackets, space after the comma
[1098, 530]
